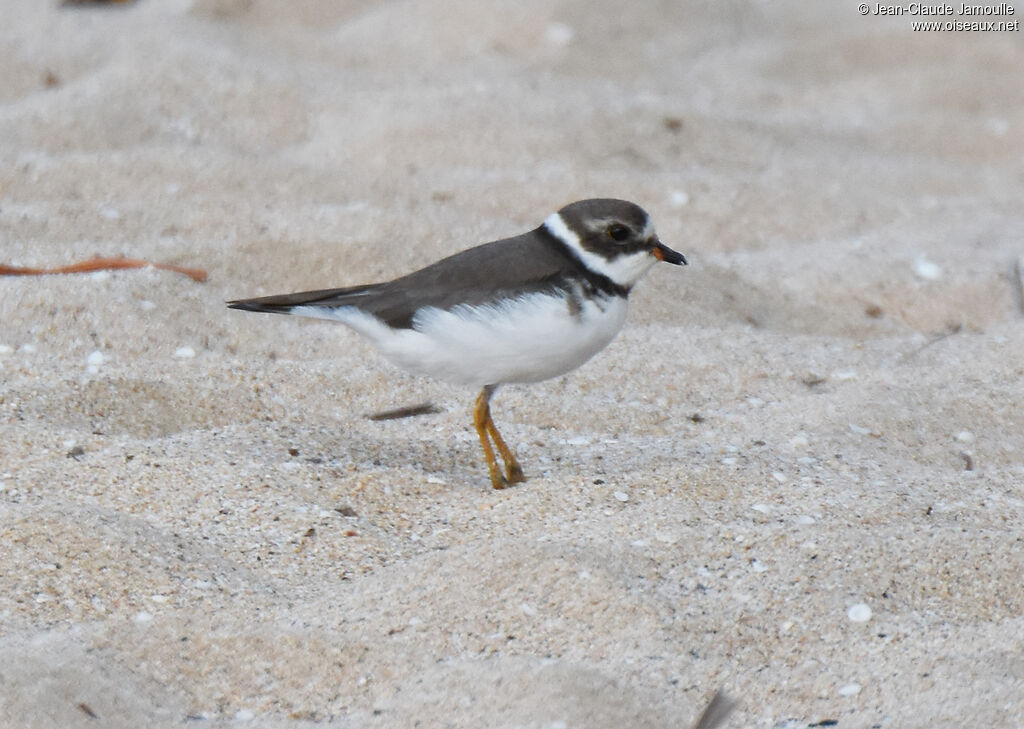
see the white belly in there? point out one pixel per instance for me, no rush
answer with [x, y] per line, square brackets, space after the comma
[529, 339]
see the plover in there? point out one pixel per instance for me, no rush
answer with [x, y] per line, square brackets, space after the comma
[517, 310]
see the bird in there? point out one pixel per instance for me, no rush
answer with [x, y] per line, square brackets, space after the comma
[516, 310]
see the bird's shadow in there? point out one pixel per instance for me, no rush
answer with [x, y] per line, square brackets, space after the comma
[394, 444]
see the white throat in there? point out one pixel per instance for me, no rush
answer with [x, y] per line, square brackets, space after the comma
[623, 270]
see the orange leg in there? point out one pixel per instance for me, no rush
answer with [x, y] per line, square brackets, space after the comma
[513, 471]
[488, 431]
[481, 420]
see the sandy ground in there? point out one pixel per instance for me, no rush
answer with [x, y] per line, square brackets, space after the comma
[795, 476]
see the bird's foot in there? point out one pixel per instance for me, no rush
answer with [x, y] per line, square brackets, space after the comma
[498, 481]
[514, 473]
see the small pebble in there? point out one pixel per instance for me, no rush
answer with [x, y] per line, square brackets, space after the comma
[850, 689]
[27, 348]
[859, 613]
[621, 496]
[779, 476]
[559, 34]
[6, 349]
[997, 126]
[678, 198]
[925, 269]
[143, 617]
[672, 123]
[799, 441]
[184, 353]
[763, 508]
[858, 429]
[965, 436]
[95, 359]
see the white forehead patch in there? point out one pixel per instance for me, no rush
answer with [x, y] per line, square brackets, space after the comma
[648, 232]
[623, 270]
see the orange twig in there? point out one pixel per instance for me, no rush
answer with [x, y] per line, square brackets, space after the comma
[103, 264]
[96, 2]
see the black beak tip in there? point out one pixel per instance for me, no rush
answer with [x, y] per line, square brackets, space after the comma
[666, 254]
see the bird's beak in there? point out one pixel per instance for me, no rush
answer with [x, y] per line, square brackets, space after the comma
[663, 253]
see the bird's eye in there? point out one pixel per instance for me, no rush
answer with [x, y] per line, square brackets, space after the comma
[618, 232]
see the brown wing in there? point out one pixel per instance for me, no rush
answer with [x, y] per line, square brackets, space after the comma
[534, 261]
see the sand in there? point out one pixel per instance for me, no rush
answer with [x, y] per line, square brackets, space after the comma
[796, 476]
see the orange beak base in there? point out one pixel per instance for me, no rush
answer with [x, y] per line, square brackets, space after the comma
[663, 253]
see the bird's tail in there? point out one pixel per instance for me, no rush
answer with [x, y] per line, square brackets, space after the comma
[322, 298]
